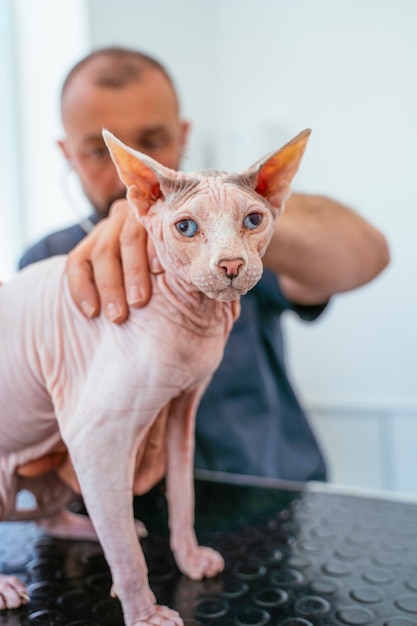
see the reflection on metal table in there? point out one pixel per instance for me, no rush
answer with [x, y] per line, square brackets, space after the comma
[295, 556]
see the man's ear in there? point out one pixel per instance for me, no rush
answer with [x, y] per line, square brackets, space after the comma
[273, 174]
[185, 131]
[61, 143]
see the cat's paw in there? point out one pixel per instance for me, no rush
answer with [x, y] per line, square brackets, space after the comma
[13, 592]
[161, 616]
[200, 562]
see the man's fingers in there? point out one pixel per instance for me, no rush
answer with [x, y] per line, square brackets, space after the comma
[108, 277]
[135, 262]
[82, 287]
[107, 264]
[110, 267]
[95, 273]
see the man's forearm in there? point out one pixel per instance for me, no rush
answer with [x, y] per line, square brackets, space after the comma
[321, 247]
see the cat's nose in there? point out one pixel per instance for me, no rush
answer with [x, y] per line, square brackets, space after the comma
[231, 266]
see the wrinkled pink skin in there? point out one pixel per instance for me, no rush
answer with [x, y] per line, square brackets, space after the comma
[121, 399]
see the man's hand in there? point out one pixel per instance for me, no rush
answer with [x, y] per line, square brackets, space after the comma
[109, 270]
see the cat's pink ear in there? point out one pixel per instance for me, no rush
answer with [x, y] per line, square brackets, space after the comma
[140, 173]
[275, 172]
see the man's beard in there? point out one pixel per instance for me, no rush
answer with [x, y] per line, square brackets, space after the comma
[103, 212]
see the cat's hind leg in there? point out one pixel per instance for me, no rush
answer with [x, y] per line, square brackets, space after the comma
[67, 525]
[13, 592]
[52, 510]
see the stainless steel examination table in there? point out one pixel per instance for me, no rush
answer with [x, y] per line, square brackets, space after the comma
[295, 555]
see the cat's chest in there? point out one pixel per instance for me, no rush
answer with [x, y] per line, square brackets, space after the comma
[180, 348]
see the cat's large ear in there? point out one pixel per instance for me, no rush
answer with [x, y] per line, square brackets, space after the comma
[271, 176]
[143, 176]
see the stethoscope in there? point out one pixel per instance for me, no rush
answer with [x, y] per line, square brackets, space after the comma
[72, 193]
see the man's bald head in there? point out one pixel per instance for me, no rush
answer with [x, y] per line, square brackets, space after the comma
[113, 67]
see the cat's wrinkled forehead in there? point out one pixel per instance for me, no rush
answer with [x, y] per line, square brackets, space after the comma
[210, 186]
[243, 180]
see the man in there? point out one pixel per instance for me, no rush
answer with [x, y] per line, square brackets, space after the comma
[130, 94]
[249, 420]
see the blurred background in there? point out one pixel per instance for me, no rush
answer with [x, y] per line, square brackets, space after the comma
[250, 76]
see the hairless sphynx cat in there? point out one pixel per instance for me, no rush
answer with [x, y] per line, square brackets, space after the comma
[104, 410]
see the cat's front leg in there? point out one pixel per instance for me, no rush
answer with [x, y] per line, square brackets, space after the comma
[102, 444]
[193, 560]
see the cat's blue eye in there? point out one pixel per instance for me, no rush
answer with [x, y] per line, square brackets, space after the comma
[188, 228]
[252, 220]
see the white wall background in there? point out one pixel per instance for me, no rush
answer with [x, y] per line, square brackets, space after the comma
[251, 75]
[40, 41]
[10, 223]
